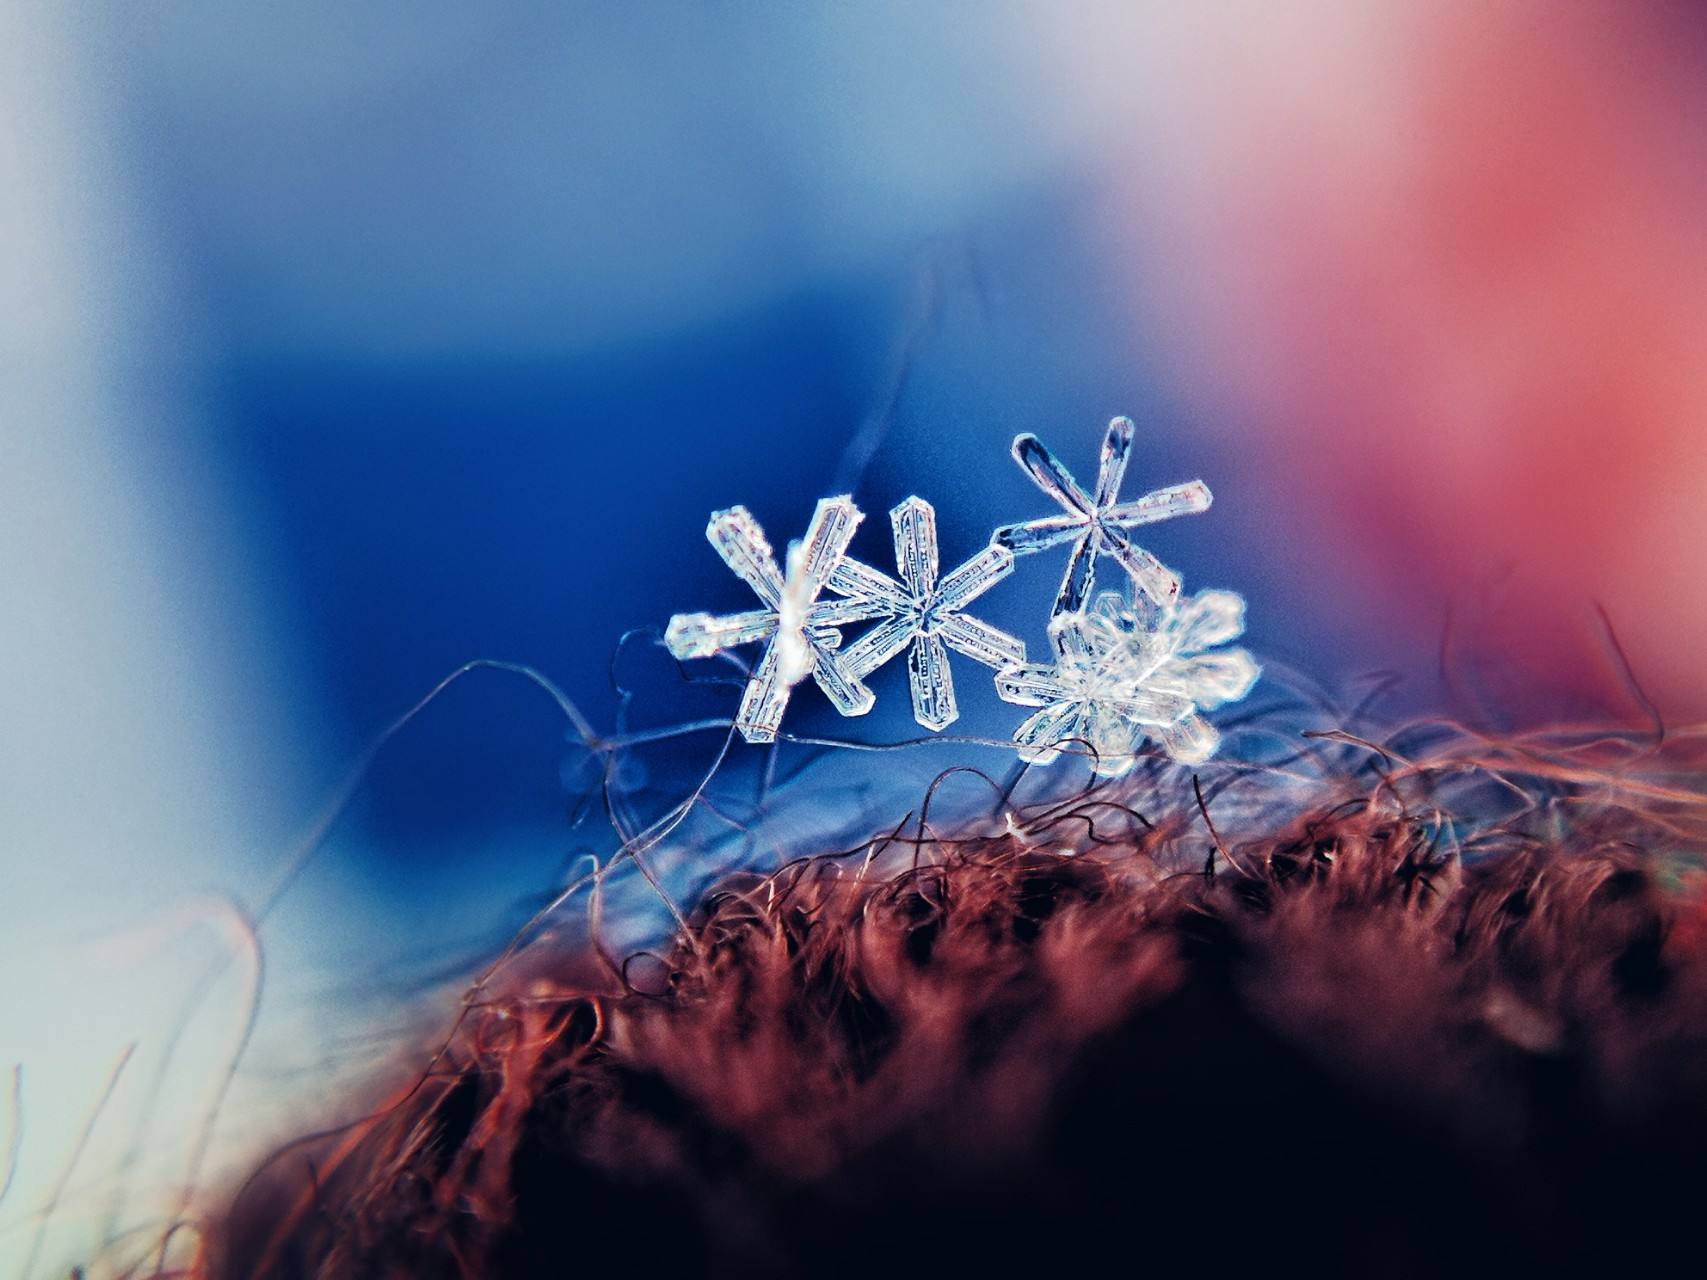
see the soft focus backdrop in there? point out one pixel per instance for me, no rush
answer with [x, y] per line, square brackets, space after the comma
[340, 345]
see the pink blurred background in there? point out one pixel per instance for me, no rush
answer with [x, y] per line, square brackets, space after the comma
[1453, 257]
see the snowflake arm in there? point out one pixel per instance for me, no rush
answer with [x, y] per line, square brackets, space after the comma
[1050, 474]
[981, 642]
[1190, 740]
[1154, 578]
[737, 538]
[1034, 684]
[1096, 523]
[764, 699]
[914, 523]
[868, 588]
[1038, 535]
[1186, 499]
[924, 613]
[931, 683]
[1210, 679]
[700, 635]
[1111, 465]
[1040, 739]
[960, 587]
[877, 646]
[841, 612]
[799, 631]
[1207, 619]
[1201, 623]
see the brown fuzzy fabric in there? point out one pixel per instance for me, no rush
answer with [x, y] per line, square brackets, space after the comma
[1341, 1048]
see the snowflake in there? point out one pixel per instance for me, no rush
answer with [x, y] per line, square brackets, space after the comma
[1126, 672]
[925, 612]
[801, 630]
[1098, 522]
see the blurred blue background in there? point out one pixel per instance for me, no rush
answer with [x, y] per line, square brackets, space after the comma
[474, 318]
[343, 345]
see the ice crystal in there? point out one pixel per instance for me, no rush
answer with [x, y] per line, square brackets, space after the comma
[1127, 667]
[800, 630]
[924, 611]
[1124, 672]
[1095, 522]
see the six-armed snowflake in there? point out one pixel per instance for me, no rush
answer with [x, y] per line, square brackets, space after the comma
[1128, 668]
[925, 612]
[801, 632]
[1125, 671]
[1095, 523]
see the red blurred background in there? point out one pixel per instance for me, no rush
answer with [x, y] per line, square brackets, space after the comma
[1453, 258]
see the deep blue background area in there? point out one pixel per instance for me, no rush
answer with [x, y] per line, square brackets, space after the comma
[483, 318]
[421, 514]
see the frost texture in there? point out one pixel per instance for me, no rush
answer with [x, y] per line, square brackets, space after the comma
[801, 630]
[1095, 523]
[924, 612]
[1126, 672]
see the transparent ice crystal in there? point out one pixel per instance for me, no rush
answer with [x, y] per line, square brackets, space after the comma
[1095, 522]
[800, 630]
[1125, 671]
[924, 611]
[1132, 666]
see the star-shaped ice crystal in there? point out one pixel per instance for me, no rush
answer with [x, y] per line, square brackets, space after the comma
[1097, 521]
[800, 629]
[925, 612]
[1126, 672]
